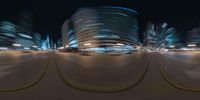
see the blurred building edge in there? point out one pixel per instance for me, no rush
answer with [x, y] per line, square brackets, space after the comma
[25, 23]
[19, 35]
[7, 33]
[161, 36]
[193, 38]
[102, 29]
[47, 43]
[59, 43]
[24, 31]
[69, 39]
[37, 40]
[150, 38]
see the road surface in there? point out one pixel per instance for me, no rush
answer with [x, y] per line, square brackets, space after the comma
[71, 76]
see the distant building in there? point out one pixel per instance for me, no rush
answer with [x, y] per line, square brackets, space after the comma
[25, 41]
[19, 35]
[25, 36]
[161, 36]
[59, 43]
[193, 37]
[37, 40]
[150, 35]
[46, 44]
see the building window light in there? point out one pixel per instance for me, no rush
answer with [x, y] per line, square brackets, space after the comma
[61, 48]
[87, 44]
[26, 48]
[26, 36]
[191, 45]
[16, 45]
[3, 48]
[34, 46]
[120, 44]
[172, 46]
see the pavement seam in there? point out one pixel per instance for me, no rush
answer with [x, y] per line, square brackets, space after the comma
[172, 82]
[32, 84]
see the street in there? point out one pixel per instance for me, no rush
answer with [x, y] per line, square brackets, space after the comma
[71, 76]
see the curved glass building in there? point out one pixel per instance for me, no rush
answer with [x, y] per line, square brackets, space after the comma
[105, 29]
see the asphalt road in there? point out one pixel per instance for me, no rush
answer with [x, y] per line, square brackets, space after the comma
[70, 76]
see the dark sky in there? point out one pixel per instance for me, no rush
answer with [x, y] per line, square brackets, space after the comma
[50, 14]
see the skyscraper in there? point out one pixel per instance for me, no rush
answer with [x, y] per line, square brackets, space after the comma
[25, 30]
[37, 40]
[69, 37]
[25, 23]
[104, 28]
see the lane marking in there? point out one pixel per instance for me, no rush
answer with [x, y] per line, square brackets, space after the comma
[172, 82]
[32, 84]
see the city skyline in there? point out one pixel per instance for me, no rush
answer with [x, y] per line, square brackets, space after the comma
[50, 15]
[99, 50]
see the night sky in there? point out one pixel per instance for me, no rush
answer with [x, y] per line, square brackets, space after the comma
[49, 15]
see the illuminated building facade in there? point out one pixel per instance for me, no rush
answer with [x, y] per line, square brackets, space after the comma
[7, 33]
[25, 23]
[46, 44]
[18, 35]
[161, 36]
[24, 32]
[69, 38]
[150, 36]
[37, 40]
[103, 28]
[25, 41]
